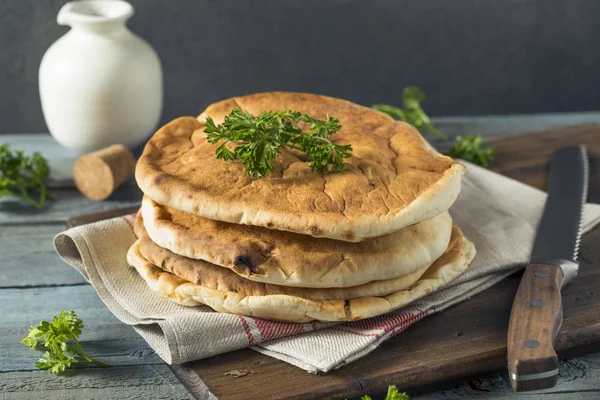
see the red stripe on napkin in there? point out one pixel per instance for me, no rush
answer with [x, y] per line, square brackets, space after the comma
[247, 330]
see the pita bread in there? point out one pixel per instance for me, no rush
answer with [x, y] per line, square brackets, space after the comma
[212, 276]
[394, 178]
[290, 259]
[286, 304]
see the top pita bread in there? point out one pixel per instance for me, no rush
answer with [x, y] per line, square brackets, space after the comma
[394, 179]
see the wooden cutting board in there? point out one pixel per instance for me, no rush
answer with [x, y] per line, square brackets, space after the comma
[463, 342]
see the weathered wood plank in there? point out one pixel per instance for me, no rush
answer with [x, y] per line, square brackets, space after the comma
[135, 372]
[42, 142]
[68, 204]
[579, 378]
[24, 307]
[36, 270]
[134, 382]
[132, 350]
[27, 257]
[104, 336]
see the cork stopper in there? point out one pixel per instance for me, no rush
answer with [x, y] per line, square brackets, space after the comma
[98, 174]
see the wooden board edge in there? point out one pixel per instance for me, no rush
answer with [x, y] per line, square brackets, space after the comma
[99, 216]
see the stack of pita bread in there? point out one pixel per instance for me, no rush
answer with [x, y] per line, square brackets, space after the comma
[298, 245]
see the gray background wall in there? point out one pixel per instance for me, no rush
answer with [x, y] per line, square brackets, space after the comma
[470, 56]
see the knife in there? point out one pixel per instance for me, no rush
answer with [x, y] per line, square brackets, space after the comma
[536, 314]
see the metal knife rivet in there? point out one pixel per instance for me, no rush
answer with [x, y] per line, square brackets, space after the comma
[532, 343]
[541, 274]
[537, 303]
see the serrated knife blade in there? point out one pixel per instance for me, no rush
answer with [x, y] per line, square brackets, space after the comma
[536, 314]
[559, 231]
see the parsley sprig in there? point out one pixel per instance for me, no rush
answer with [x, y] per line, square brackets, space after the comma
[411, 111]
[392, 394]
[24, 177]
[54, 336]
[259, 139]
[472, 149]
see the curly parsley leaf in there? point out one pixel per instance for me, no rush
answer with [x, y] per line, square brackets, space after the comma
[55, 336]
[24, 177]
[258, 139]
[392, 394]
[472, 149]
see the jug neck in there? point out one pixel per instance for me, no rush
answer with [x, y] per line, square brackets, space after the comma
[101, 16]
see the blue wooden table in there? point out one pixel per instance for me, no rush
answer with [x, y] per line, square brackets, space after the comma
[35, 285]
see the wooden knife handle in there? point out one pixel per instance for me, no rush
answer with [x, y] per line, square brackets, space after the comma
[535, 320]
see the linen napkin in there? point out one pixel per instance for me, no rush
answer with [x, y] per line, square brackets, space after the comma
[498, 214]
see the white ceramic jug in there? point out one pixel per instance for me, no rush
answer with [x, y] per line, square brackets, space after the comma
[100, 84]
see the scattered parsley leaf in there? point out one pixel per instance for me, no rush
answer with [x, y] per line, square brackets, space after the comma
[259, 139]
[411, 111]
[469, 148]
[472, 149]
[54, 336]
[392, 394]
[21, 176]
